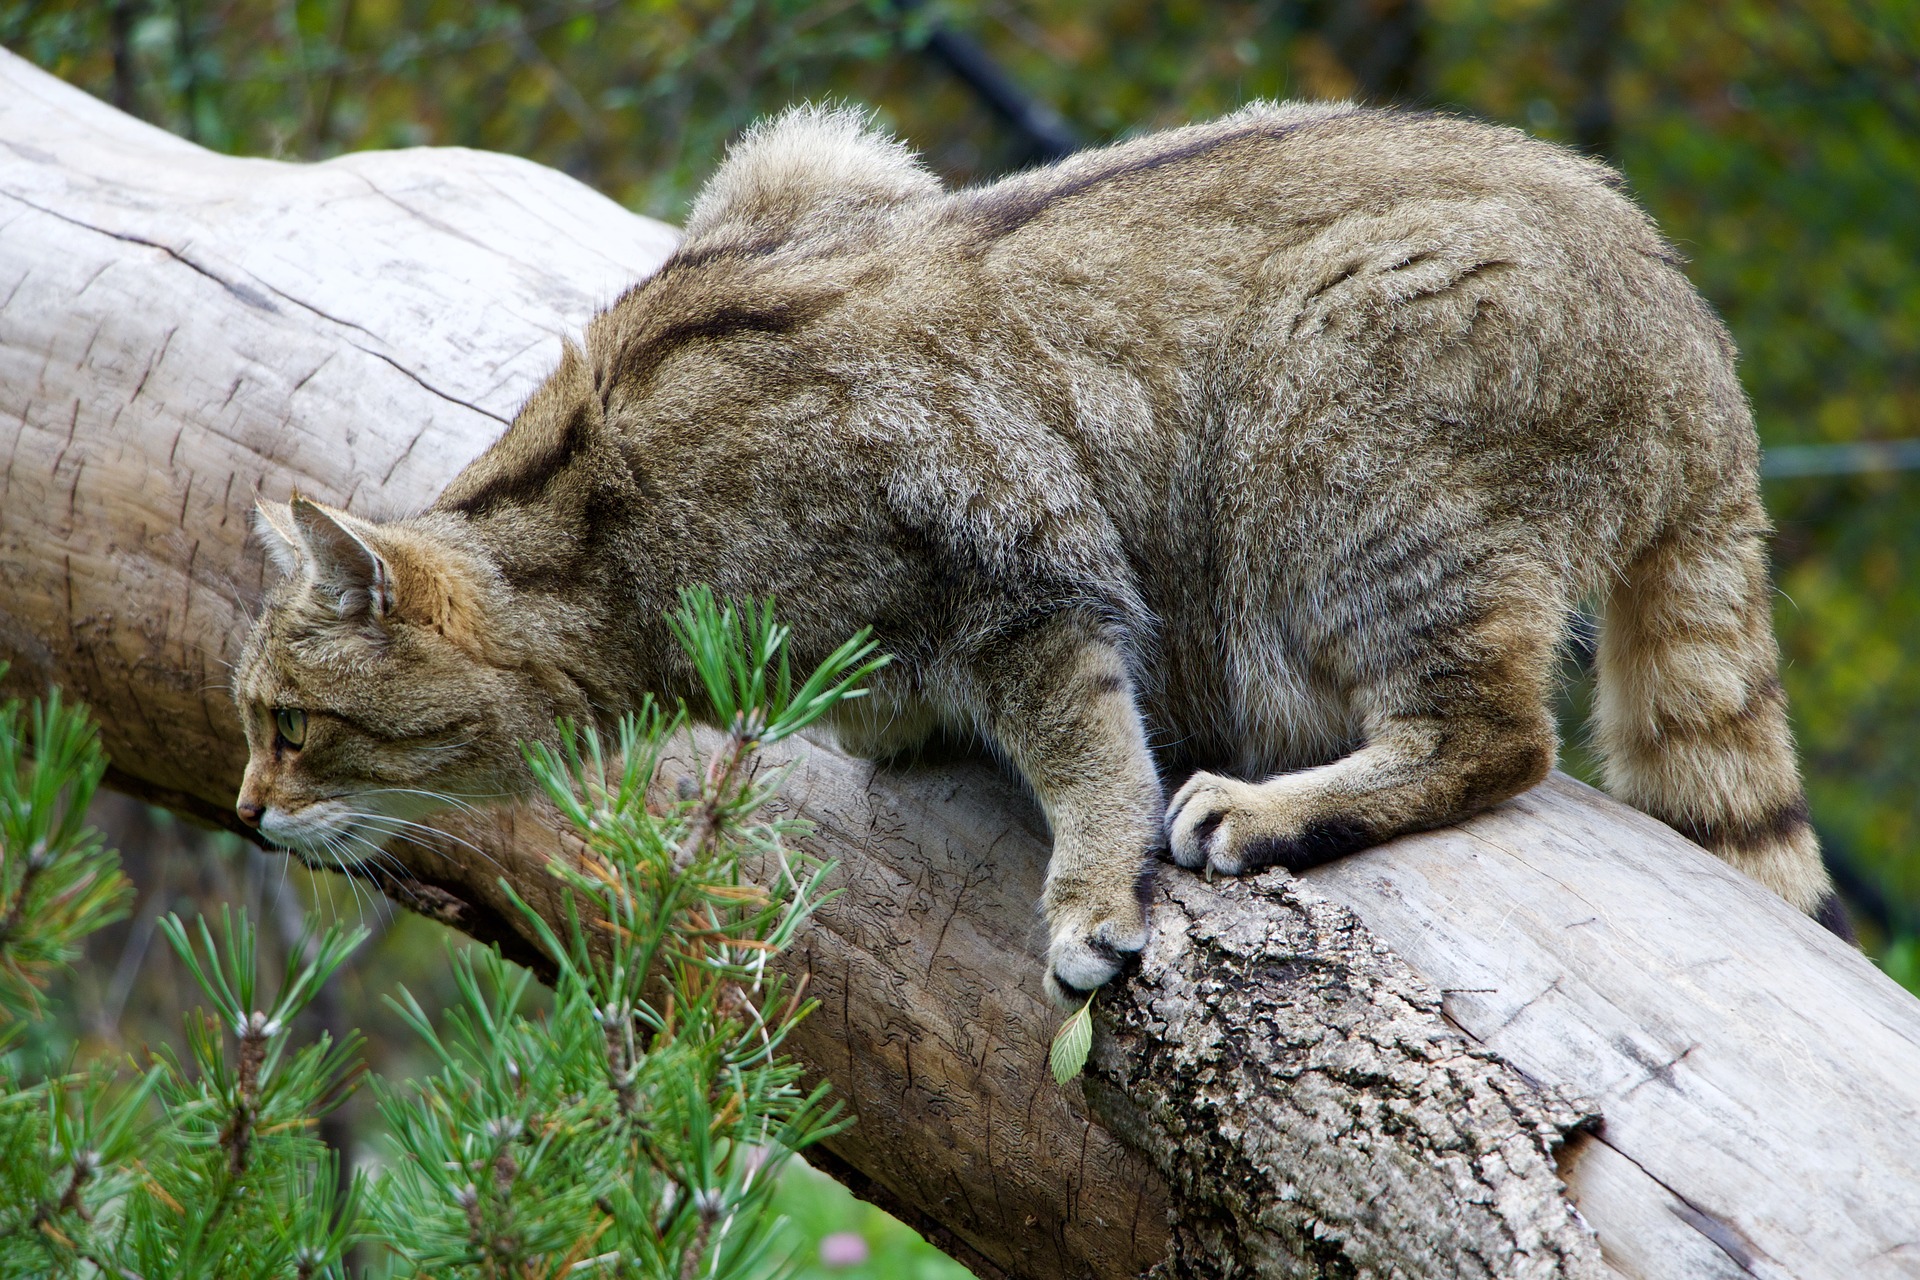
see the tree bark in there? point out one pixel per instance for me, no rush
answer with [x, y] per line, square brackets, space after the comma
[1561, 989]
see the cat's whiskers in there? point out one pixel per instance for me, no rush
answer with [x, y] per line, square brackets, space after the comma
[378, 854]
[334, 856]
[239, 597]
[398, 828]
[331, 854]
[461, 802]
[386, 862]
[365, 896]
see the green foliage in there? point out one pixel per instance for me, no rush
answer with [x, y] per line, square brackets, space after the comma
[740, 655]
[207, 1167]
[1071, 1045]
[57, 884]
[239, 1154]
[71, 1146]
[641, 95]
[643, 1122]
[502, 1153]
[1902, 962]
[820, 1211]
[636, 1129]
[64, 1141]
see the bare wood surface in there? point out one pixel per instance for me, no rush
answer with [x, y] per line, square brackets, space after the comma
[179, 330]
[1758, 1076]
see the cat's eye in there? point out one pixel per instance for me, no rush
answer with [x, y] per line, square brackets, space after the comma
[291, 725]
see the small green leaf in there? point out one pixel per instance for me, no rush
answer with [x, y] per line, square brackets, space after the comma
[1072, 1043]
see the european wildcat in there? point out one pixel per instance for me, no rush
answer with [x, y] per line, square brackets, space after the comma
[1288, 442]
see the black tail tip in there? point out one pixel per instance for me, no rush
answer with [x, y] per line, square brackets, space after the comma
[1832, 916]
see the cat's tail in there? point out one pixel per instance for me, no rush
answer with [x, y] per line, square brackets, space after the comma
[1690, 714]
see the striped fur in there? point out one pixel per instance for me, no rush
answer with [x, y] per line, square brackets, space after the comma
[1271, 457]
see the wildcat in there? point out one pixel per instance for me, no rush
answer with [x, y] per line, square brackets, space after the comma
[1271, 457]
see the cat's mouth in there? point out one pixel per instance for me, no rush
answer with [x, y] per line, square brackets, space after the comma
[339, 832]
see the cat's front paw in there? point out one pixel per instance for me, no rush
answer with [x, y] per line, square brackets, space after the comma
[1085, 955]
[1236, 828]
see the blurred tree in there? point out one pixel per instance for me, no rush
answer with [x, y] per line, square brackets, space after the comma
[1382, 44]
[1598, 28]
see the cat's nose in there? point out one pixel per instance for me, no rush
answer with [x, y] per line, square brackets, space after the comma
[249, 812]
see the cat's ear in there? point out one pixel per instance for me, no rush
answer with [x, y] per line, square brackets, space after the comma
[341, 561]
[273, 525]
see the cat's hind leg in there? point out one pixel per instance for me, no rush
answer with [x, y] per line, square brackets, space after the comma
[1461, 723]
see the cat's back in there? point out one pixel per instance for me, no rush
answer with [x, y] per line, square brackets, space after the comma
[1080, 336]
[1125, 267]
[1167, 284]
[1219, 199]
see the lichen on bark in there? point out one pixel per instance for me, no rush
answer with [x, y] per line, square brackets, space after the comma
[1313, 1110]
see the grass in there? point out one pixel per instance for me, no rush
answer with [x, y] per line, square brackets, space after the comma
[818, 1208]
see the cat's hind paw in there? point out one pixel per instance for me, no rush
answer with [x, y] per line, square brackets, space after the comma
[1207, 824]
[1236, 828]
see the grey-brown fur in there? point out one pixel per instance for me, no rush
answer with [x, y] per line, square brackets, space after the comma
[1285, 444]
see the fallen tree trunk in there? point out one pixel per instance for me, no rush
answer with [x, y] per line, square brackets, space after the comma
[1283, 1090]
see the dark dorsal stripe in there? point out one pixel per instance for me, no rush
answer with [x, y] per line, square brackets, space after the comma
[629, 368]
[635, 364]
[1001, 213]
[528, 481]
[688, 259]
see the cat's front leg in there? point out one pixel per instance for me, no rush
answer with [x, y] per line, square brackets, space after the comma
[1059, 702]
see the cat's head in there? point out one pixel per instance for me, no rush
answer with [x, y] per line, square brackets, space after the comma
[380, 683]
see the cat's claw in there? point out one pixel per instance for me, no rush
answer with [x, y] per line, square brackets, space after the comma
[1201, 828]
[1081, 961]
[1236, 828]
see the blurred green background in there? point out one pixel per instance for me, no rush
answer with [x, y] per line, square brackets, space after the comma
[1777, 142]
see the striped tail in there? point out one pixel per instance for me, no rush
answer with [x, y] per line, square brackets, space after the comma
[1690, 714]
